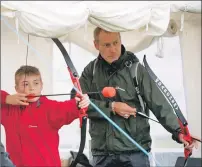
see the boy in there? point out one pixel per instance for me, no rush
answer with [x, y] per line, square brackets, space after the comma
[32, 125]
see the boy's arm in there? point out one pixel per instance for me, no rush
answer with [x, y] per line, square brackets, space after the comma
[4, 94]
[3, 97]
[62, 113]
[7, 100]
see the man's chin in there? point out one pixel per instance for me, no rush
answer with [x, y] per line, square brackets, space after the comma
[110, 61]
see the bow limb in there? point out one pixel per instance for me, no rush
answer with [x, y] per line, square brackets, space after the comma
[181, 119]
[82, 115]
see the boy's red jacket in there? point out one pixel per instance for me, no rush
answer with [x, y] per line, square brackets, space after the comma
[32, 137]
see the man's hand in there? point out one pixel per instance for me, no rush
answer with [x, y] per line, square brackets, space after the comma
[123, 109]
[17, 99]
[186, 144]
[83, 102]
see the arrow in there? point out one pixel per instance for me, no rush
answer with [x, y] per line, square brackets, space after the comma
[145, 116]
[108, 92]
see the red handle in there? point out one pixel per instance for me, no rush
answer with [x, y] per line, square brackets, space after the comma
[187, 137]
[76, 83]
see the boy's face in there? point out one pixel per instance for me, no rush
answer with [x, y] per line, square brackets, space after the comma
[29, 84]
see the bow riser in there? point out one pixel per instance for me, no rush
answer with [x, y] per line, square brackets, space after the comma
[74, 79]
[187, 137]
[76, 83]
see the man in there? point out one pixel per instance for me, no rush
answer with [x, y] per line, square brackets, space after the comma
[5, 160]
[109, 147]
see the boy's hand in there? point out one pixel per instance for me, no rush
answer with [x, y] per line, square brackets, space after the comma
[83, 102]
[17, 99]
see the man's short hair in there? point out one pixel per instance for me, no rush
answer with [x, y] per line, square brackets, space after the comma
[97, 31]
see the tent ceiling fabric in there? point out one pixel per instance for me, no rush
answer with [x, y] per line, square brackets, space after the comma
[74, 21]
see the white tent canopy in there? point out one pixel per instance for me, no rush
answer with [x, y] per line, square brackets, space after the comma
[139, 23]
[75, 21]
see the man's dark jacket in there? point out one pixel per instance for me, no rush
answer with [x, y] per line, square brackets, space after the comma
[105, 138]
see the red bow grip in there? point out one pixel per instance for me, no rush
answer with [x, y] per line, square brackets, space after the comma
[187, 137]
[75, 81]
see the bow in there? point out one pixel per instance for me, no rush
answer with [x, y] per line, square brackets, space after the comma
[82, 115]
[181, 119]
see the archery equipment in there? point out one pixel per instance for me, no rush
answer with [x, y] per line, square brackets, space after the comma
[106, 92]
[182, 121]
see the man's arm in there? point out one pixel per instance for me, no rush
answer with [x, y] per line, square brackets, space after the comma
[5, 161]
[157, 103]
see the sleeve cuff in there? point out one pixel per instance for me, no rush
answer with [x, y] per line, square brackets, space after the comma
[175, 135]
[109, 105]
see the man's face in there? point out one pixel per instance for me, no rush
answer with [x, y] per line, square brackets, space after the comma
[29, 84]
[109, 45]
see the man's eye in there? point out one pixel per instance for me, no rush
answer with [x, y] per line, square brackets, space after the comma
[107, 45]
[36, 83]
[115, 43]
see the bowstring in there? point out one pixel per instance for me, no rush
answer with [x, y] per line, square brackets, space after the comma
[26, 61]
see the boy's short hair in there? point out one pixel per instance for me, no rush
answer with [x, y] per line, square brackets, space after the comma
[26, 70]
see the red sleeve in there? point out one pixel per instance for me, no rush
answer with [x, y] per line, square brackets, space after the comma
[3, 106]
[3, 97]
[62, 113]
